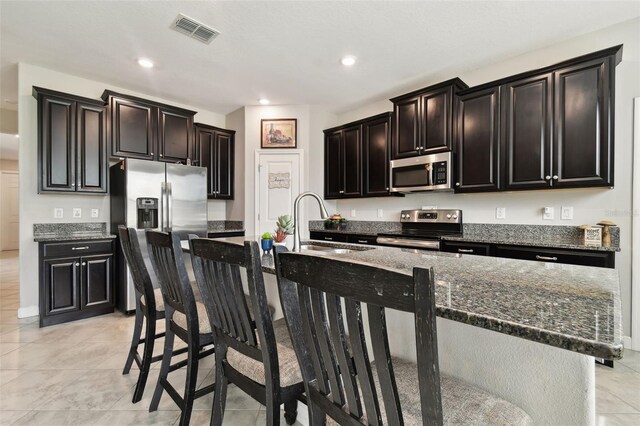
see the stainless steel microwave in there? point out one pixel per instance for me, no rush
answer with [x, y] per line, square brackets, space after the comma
[424, 173]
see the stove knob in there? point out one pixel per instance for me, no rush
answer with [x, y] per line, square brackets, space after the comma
[449, 216]
[455, 216]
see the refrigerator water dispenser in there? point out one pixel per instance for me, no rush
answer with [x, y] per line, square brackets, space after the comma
[147, 213]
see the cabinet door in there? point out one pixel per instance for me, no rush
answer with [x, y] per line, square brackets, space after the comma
[132, 129]
[224, 169]
[584, 124]
[175, 132]
[61, 286]
[91, 148]
[56, 144]
[436, 121]
[332, 164]
[352, 167]
[97, 288]
[550, 255]
[205, 156]
[477, 141]
[478, 249]
[527, 132]
[406, 128]
[376, 157]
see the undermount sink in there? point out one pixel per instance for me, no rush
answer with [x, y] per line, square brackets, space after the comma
[331, 250]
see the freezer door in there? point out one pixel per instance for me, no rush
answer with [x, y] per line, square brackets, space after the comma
[186, 200]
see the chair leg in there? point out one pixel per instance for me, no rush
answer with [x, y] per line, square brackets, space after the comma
[164, 367]
[146, 360]
[190, 382]
[291, 411]
[135, 340]
[273, 412]
[220, 394]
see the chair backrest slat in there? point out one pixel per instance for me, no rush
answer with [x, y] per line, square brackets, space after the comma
[331, 341]
[131, 249]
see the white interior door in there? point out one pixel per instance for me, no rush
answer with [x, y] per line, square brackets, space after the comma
[9, 212]
[279, 181]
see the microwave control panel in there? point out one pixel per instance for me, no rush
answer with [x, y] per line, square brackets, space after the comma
[439, 173]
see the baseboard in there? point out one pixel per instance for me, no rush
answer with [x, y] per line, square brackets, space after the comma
[28, 311]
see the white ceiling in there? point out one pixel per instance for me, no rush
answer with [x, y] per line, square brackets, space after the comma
[288, 52]
[8, 147]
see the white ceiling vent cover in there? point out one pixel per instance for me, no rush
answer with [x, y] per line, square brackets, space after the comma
[194, 29]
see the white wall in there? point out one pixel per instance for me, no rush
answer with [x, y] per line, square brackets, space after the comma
[38, 208]
[590, 205]
[9, 165]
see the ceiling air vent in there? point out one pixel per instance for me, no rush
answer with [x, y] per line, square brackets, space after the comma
[194, 29]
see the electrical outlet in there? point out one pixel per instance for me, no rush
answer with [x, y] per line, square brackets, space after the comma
[566, 213]
[77, 212]
[501, 213]
[547, 213]
[380, 212]
[95, 213]
[58, 213]
[353, 212]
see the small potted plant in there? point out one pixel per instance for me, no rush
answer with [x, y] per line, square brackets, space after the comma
[335, 222]
[284, 227]
[266, 242]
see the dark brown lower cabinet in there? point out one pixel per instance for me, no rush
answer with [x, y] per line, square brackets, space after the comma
[602, 259]
[478, 249]
[76, 280]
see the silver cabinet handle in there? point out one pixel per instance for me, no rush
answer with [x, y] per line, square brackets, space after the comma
[363, 241]
[457, 183]
[152, 153]
[547, 177]
[161, 155]
[552, 259]
[169, 207]
[460, 250]
[77, 263]
[555, 177]
[73, 184]
[328, 238]
[341, 192]
[80, 248]
[84, 263]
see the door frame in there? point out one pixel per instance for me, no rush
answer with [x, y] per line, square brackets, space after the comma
[301, 169]
[2, 173]
[635, 230]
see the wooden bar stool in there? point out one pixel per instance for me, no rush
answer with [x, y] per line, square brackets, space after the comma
[252, 352]
[185, 318]
[149, 310]
[340, 380]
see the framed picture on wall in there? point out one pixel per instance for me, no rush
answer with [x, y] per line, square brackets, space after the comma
[278, 132]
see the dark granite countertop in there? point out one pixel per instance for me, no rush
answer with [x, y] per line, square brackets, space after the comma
[48, 232]
[215, 226]
[346, 232]
[567, 306]
[224, 231]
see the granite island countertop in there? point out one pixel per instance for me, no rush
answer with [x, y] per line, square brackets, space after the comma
[51, 232]
[572, 307]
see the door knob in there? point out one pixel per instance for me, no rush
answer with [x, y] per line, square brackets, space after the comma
[84, 263]
[77, 263]
[555, 177]
[547, 177]
[457, 183]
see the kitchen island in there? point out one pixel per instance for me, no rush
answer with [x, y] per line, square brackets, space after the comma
[526, 331]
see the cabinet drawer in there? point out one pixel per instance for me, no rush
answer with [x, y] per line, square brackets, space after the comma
[574, 257]
[77, 248]
[361, 239]
[328, 236]
[479, 249]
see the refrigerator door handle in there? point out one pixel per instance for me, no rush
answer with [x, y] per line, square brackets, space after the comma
[169, 200]
[163, 191]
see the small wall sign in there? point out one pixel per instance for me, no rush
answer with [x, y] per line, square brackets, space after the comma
[593, 236]
[279, 180]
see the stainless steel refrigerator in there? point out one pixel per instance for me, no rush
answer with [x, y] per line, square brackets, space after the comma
[154, 195]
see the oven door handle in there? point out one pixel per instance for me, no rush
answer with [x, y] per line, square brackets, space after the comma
[401, 242]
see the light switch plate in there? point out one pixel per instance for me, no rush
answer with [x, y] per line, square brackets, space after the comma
[501, 213]
[95, 213]
[58, 213]
[547, 213]
[353, 212]
[566, 213]
[77, 212]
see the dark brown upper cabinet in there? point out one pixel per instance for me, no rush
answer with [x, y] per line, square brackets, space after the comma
[478, 141]
[584, 103]
[527, 126]
[376, 136]
[147, 130]
[423, 120]
[215, 150]
[72, 143]
[357, 158]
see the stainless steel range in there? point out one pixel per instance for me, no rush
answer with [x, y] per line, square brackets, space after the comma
[423, 229]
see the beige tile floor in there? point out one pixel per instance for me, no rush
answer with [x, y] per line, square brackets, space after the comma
[71, 374]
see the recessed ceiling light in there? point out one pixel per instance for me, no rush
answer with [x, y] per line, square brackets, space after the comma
[263, 101]
[145, 63]
[17, 136]
[348, 61]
